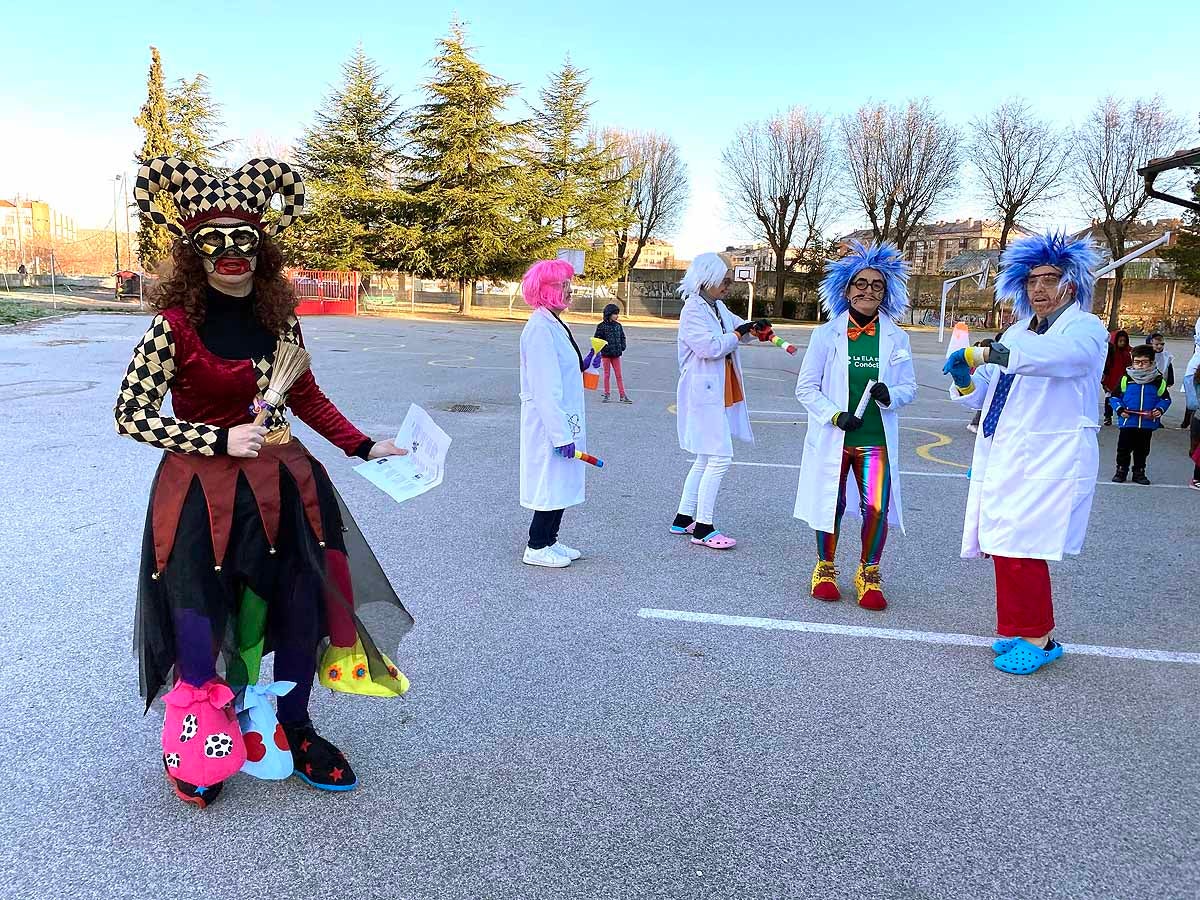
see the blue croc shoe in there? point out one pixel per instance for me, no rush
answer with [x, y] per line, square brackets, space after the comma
[1004, 645]
[1024, 658]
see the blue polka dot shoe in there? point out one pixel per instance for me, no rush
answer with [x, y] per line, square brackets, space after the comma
[1024, 658]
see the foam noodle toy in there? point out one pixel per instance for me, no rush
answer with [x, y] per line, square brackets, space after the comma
[960, 339]
[768, 334]
[864, 399]
[589, 459]
[784, 345]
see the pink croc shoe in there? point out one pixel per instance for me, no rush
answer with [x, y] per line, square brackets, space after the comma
[202, 744]
[716, 541]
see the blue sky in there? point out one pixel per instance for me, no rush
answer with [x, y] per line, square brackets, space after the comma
[71, 80]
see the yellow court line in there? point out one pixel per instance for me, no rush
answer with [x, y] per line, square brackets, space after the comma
[940, 440]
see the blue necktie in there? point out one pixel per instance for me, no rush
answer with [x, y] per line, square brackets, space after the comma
[1003, 386]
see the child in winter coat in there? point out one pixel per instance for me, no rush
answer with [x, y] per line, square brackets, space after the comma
[1139, 399]
[610, 330]
[1116, 363]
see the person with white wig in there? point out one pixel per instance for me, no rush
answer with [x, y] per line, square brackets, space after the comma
[710, 398]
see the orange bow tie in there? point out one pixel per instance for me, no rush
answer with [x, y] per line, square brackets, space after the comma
[854, 332]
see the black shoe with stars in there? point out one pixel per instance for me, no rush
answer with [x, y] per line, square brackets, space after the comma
[200, 797]
[318, 762]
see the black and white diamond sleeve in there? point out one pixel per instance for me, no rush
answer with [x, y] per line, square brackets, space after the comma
[142, 391]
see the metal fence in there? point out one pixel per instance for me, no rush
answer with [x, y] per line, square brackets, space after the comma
[324, 292]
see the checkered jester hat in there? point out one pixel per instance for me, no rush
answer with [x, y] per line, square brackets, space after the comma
[244, 194]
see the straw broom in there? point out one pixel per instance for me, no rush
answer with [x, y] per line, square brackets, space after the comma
[291, 361]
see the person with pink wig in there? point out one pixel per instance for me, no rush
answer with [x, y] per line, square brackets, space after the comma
[553, 427]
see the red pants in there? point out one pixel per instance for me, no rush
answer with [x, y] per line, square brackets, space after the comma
[613, 363]
[1024, 607]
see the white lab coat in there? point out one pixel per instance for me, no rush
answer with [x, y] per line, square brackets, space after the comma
[823, 387]
[552, 414]
[704, 423]
[1032, 482]
[1189, 373]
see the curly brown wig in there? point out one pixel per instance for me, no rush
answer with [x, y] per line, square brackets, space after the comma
[182, 282]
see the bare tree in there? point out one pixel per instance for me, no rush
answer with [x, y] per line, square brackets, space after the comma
[1115, 140]
[901, 163]
[655, 193]
[776, 174]
[263, 145]
[1020, 158]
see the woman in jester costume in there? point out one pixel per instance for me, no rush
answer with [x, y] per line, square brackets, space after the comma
[248, 549]
[860, 350]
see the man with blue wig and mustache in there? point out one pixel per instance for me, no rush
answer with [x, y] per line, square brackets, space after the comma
[1033, 472]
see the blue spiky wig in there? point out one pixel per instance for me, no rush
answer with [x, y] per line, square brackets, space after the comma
[884, 258]
[1074, 257]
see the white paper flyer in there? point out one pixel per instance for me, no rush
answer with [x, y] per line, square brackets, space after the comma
[405, 477]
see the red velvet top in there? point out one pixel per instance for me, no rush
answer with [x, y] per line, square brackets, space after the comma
[210, 394]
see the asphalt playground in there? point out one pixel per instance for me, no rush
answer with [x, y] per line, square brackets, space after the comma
[657, 720]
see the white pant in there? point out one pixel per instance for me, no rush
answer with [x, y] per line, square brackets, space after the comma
[701, 486]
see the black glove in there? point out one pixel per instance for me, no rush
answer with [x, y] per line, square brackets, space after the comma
[880, 394]
[847, 422]
[744, 329]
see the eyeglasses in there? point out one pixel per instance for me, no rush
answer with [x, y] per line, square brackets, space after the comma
[211, 241]
[875, 287]
[1049, 279]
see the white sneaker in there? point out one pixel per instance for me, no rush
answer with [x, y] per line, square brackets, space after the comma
[545, 557]
[563, 550]
[973, 428]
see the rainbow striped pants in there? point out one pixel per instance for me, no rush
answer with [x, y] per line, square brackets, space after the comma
[873, 474]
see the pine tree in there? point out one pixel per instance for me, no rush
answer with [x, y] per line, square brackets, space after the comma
[195, 120]
[351, 158]
[154, 241]
[470, 193]
[579, 197]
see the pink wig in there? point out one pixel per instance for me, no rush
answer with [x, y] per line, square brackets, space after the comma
[543, 283]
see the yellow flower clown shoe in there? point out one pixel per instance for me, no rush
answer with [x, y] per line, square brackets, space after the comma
[347, 669]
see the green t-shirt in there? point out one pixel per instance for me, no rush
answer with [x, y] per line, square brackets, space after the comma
[864, 367]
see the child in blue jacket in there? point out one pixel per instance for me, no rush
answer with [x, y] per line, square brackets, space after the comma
[1139, 401]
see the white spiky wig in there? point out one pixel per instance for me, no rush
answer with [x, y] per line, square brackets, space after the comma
[706, 270]
[1074, 257]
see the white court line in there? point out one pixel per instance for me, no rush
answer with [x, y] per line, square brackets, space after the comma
[901, 634]
[760, 465]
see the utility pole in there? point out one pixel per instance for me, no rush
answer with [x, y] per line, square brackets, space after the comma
[116, 243]
[128, 237]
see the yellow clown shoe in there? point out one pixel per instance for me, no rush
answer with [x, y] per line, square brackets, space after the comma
[824, 581]
[869, 585]
[346, 669]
